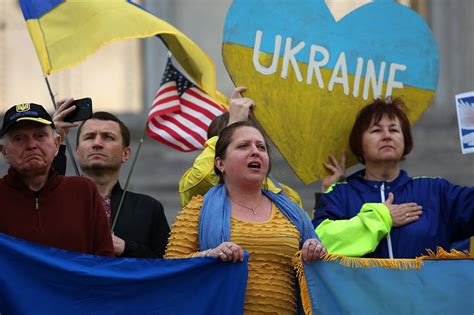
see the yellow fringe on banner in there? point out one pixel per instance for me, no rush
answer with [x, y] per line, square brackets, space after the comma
[441, 254]
[356, 262]
[304, 292]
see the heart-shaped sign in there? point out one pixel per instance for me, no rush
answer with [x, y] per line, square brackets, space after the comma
[310, 71]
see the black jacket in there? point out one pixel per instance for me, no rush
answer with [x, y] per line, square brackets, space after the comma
[141, 223]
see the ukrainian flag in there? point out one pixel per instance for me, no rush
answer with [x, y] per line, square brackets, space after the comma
[66, 32]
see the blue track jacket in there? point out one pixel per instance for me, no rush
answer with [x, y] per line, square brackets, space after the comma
[448, 213]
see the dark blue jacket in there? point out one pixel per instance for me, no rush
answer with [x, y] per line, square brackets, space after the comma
[448, 211]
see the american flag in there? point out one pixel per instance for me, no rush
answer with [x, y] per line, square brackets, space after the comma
[181, 112]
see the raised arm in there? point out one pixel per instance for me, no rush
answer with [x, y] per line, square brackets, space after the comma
[337, 171]
[199, 178]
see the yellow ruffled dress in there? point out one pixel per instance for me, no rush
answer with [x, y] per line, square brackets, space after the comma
[271, 245]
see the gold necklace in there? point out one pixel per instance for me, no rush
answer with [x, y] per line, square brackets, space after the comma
[249, 208]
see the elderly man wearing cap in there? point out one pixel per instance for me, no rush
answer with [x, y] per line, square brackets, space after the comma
[39, 205]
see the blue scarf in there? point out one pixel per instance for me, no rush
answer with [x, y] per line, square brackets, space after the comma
[214, 222]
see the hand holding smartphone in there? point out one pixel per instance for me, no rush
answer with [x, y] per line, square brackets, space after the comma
[83, 110]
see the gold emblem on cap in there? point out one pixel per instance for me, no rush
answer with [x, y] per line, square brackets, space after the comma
[22, 107]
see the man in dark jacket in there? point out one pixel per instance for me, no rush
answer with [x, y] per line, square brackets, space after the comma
[38, 204]
[103, 145]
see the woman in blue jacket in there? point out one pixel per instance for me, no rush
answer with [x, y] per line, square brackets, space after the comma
[381, 211]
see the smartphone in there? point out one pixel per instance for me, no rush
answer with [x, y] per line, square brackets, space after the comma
[83, 110]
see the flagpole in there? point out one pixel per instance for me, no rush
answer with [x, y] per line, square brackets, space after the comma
[68, 145]
[128, 177]
[127, 181]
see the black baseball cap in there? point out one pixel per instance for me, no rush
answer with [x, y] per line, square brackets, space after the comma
[26, 111]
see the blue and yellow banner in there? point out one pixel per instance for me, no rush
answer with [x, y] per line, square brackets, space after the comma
[427, 285]
[35, 279]
[310, 67]
[65, 32]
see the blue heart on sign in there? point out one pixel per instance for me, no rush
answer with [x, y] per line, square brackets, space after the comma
[310, 71]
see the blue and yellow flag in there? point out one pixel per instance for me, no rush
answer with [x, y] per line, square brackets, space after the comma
[35, 279]
[435, 284]
[310, 72]
[66, 32]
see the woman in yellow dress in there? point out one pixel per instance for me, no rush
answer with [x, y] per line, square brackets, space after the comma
[238, 215]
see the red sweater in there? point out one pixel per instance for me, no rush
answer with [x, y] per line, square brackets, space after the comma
[66, 213]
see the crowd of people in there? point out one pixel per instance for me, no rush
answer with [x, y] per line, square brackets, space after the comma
[230, 202]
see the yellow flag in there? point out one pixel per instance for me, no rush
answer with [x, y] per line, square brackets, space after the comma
[66, 32]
